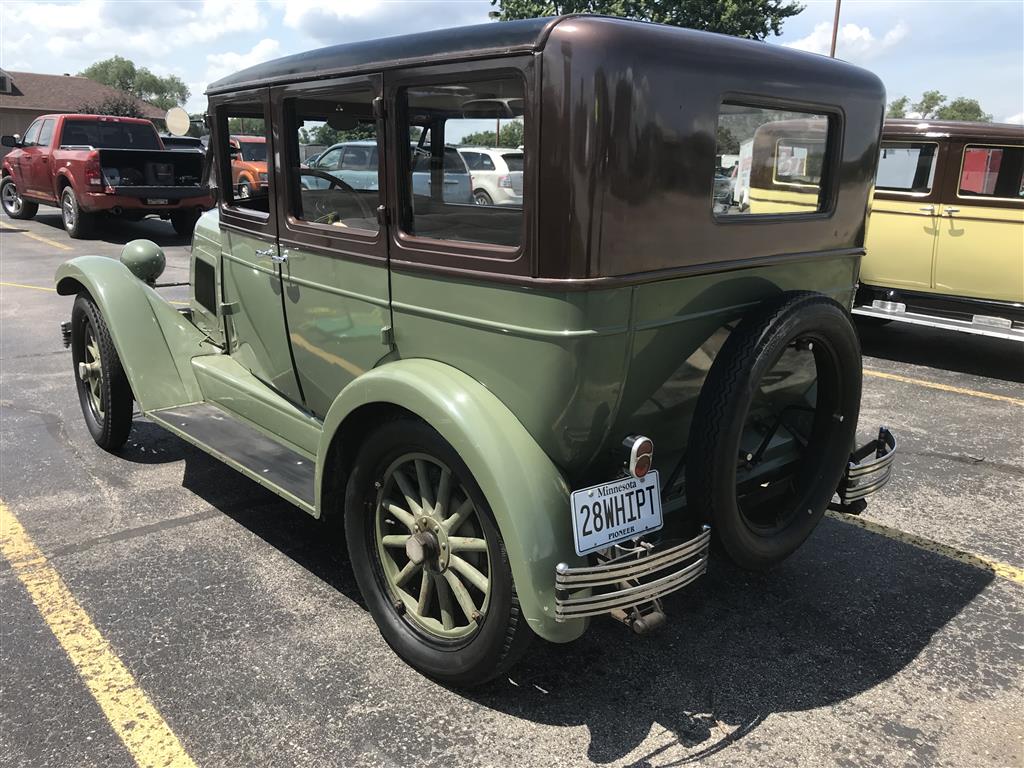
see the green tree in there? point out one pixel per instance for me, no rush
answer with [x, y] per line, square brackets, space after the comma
[962, 108]
[898, 107]
[119, 72]
[116, 106]
[929, 103]
[511, 136]
[756, 19]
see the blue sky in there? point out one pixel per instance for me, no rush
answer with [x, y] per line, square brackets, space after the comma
[969, 48]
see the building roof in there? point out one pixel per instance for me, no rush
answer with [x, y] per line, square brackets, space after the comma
[951, 128]
[443, 44]
[62, 93]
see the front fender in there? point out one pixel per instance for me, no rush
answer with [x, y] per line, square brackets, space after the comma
[527, 493]
[154, 341]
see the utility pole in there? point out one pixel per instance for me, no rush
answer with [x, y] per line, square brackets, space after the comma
[835, 30]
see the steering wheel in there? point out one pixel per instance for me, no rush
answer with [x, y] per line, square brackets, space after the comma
[335, 183]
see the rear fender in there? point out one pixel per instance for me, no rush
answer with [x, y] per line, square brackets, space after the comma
[527, 493]
[154, 341]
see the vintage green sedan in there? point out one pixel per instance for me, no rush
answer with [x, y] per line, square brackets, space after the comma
[527, 415]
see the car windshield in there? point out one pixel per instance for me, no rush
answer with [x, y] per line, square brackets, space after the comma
[253, 151]
[514, 161]
[108, 134]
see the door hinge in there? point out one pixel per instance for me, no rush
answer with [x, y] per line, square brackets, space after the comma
[378, 107]
[229, 307]
[382, 215]
[387, 336]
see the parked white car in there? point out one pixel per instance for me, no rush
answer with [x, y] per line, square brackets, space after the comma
[497, 175]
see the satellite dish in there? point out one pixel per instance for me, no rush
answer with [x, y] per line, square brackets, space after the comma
[178, 121]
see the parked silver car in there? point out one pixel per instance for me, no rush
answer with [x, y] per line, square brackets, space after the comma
[497, 175]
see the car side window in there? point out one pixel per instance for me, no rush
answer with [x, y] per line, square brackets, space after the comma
[46, 133]
[32, 134]
[992, 171]
[906, 166]
[780, 156]
[343, 191]
[486, 164]
[438, 199]
[244, 144]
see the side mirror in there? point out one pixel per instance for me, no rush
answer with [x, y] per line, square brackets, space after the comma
[11, 141]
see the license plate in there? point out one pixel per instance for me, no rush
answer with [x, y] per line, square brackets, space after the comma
[617, 511]
[156, 201]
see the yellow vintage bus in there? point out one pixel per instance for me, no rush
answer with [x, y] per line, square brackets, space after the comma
[945, 242]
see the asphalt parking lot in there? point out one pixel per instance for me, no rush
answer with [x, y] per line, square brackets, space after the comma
[898, 641]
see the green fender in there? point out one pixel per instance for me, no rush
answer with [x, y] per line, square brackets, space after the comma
[154, 341]
[527, 493]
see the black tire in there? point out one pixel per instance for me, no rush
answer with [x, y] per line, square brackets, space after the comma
[501, 636]
[184, 222]
[244, 190]
[13, 204]
[480, 197]
[110, 422]
[77, 223]
[713, 454]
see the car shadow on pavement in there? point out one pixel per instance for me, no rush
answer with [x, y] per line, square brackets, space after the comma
[849, 611]
[946, 350]
[120, 231]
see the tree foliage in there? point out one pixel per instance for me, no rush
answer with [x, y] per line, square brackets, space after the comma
[119, 72]
[755, 19]
[324, 135]
[115, 106]
[511, 136]
[933, 106]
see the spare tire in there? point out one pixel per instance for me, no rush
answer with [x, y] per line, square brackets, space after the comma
[764, 456]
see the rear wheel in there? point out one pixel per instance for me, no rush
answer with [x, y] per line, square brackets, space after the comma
[244, 190]
[103, 389]
[429, 558]
[13, 204]
[184, 222]
[774, 426]
[480, 197]
[77, 223]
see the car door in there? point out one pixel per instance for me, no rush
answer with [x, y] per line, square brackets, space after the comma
[904, 225]
[334, 240]
[980, 250]
[39, 171]
[23, 177]
[253, 297]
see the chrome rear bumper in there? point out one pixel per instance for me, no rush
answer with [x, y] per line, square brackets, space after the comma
[869, 469]
[630, 582]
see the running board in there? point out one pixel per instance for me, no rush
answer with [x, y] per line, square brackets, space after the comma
[242, 447]
[981, 325]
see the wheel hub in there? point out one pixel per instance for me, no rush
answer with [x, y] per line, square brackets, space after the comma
[428, 546]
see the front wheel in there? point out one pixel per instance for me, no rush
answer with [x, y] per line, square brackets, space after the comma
[103, 389]
[774, 425]
[77, 222]
[13, 203]
[244, 190]
[184, 222]
[429, 559]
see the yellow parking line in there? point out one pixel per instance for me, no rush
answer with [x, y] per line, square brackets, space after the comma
[39, 238]
[53, 290]
[943, 387]
[1002, 570]
[136, 721]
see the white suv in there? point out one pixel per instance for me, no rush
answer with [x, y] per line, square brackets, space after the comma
[497, 175]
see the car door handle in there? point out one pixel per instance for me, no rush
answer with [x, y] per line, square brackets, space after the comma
[951, 211]
[927, 208]
[265, 253]
[279, 258]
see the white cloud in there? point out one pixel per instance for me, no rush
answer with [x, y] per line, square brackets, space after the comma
[854, 42]
[222, 64]
[1017, 119]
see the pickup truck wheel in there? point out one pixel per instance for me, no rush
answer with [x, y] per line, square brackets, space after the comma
[77, 222]
[184, 222]
[429, 559]
[103, 388]
[244, 190]
[13, 204]
[774, 426]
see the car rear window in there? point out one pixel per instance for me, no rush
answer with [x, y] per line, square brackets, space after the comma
[108, 134]
[514, 161]
[906, 166]
[992, 171]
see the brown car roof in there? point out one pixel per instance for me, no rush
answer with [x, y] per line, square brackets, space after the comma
[959, 129]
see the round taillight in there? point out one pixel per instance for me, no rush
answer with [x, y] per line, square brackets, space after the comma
[645, 448]
[642, 466]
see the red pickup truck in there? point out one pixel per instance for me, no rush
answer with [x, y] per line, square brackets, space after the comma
[93, 165]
